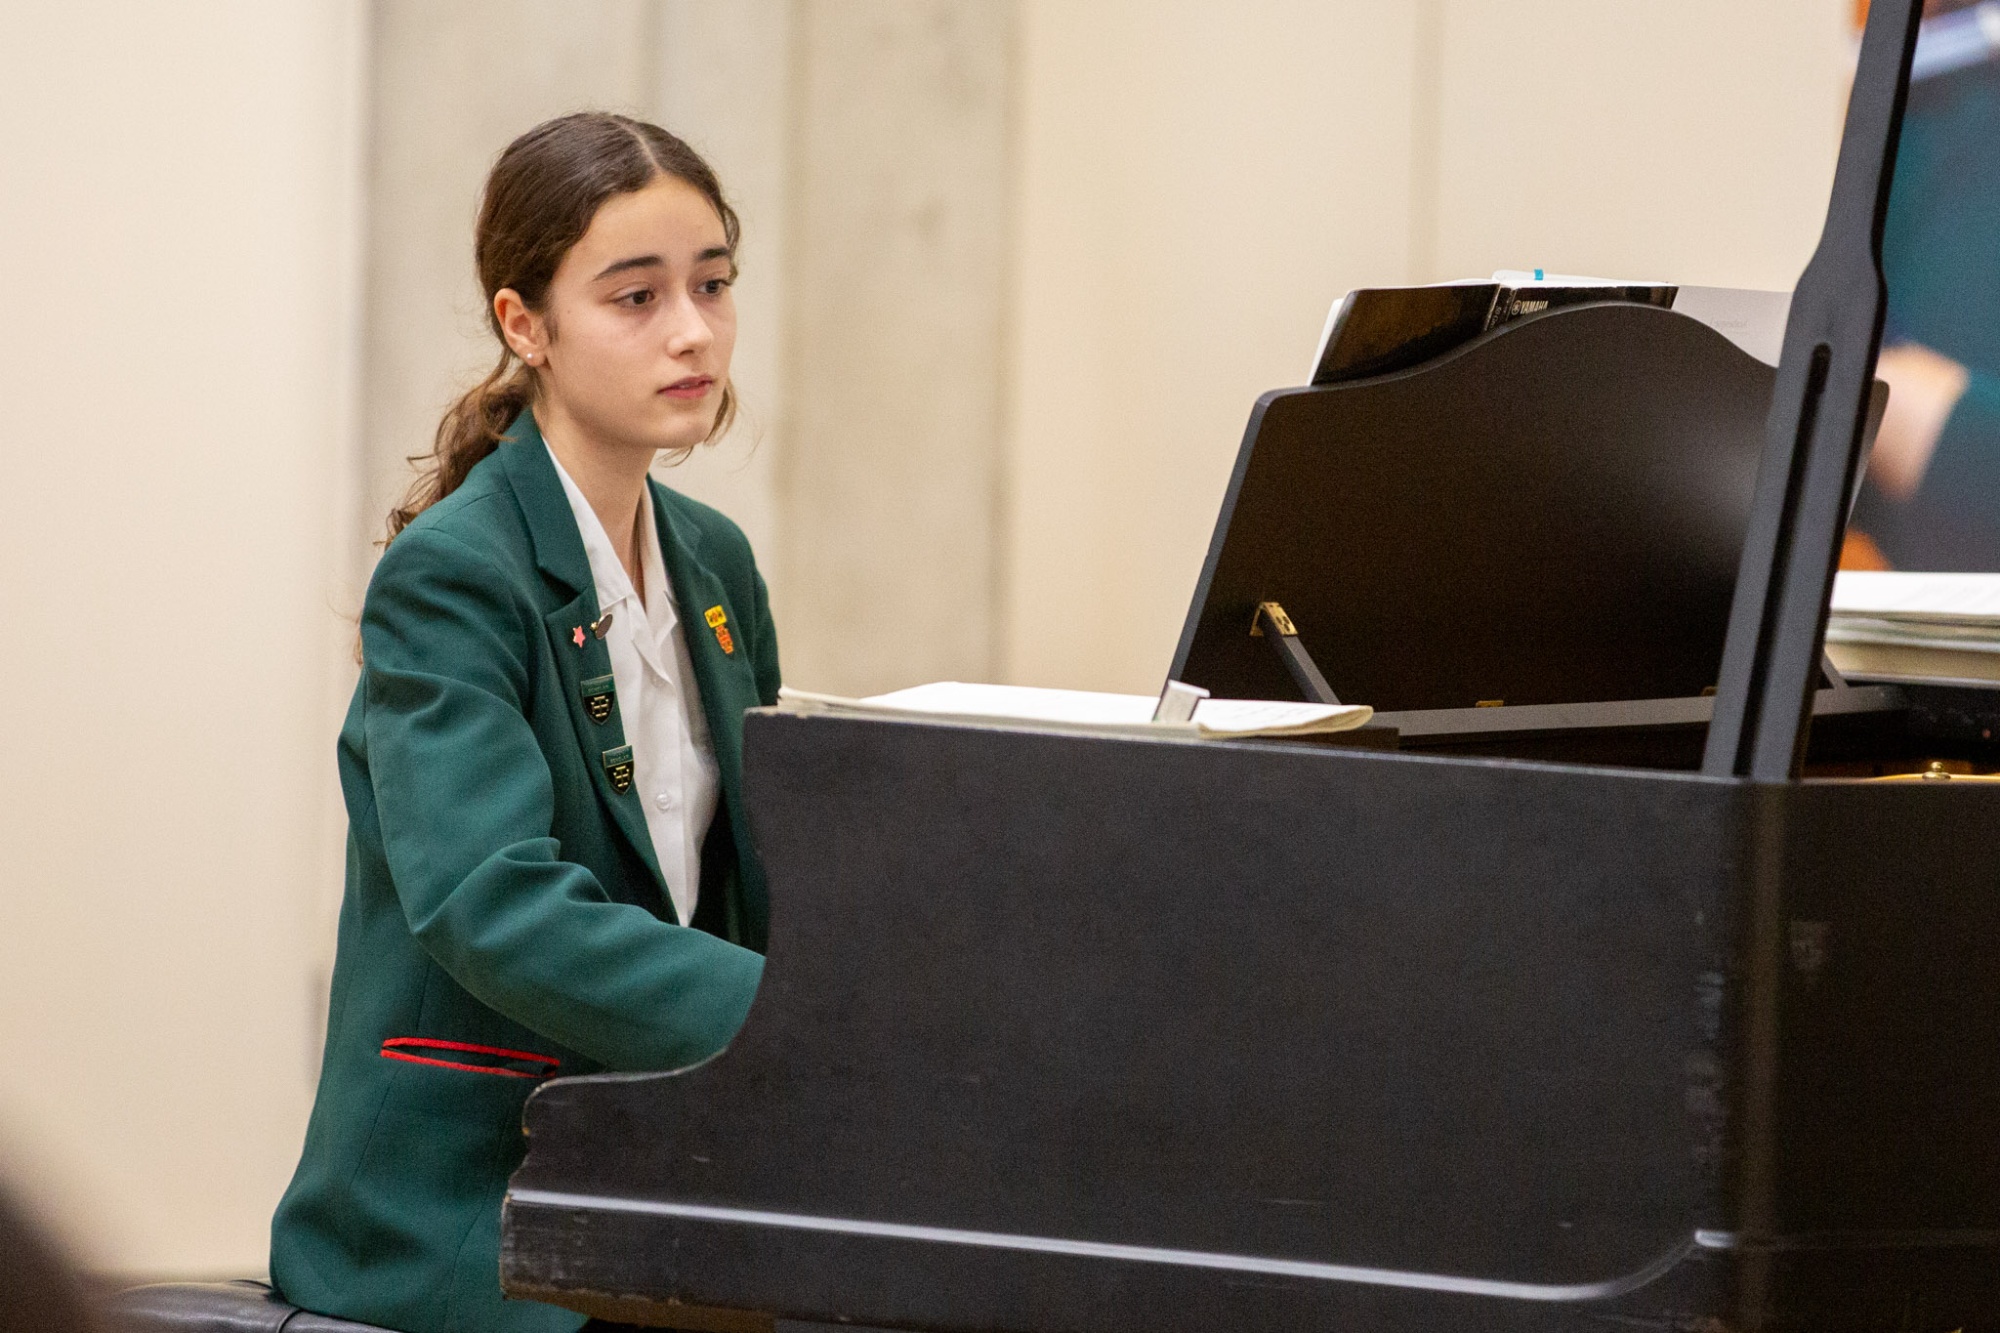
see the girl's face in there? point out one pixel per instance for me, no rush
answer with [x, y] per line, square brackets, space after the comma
[634, 341]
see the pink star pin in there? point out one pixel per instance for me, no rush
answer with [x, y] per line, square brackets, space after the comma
[576, 636]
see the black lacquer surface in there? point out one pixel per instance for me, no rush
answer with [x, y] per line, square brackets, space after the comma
[1307, 1036]
[1553, 513]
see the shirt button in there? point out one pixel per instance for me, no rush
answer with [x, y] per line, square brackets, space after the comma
[664, 800]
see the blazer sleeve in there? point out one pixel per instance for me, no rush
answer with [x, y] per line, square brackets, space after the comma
[466, 803]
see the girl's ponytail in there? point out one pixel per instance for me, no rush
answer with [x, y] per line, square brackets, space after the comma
[470, 430]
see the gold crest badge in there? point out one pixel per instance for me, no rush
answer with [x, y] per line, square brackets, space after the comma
[598, 693]
[618, 767]
[718, 620]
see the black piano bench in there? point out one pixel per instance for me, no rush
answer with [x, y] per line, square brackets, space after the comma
[217, 1307]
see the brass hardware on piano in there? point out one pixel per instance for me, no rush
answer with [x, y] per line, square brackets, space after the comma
[1275, 614]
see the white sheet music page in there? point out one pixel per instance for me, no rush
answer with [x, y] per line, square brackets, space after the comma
[1943, 599]
[1088, 710]
[1897, 626]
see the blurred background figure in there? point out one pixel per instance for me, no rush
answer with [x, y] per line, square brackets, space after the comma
[1932, 498]
[39, 1291]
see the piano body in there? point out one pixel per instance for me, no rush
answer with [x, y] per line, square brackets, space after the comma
[1561, 1015]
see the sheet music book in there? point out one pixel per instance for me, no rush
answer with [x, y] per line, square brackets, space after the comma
[1086, 710]
[1915, 626]
[1377, 330]
[1374, 331]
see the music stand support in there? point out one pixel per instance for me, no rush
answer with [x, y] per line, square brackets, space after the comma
[1813, 437]
[1271, 622]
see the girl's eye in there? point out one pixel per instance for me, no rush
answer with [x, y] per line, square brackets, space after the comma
[638, 298]
[714, 286]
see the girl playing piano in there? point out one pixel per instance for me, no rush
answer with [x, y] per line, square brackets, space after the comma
[547, 868]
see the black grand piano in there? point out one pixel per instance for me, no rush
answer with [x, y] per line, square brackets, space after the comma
[1600, 1011]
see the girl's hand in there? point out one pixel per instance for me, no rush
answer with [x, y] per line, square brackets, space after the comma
[1924, 387]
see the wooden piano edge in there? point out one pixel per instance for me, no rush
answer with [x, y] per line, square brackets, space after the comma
[1431, 725]
[571, 1247]
[1820, 1274]
[647, 1312]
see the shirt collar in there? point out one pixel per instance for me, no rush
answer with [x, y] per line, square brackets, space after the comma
[607, 571]
[659, 587]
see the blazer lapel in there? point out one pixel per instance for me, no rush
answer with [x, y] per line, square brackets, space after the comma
[545, 505]
[709, 622]
[728, 685]
[579, 655]
[604, 743]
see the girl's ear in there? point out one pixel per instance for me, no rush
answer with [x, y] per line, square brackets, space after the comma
[525, 331]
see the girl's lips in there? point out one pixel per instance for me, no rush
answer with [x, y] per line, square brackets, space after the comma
[695, 386]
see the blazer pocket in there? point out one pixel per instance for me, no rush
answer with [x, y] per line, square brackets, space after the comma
[470, 1057]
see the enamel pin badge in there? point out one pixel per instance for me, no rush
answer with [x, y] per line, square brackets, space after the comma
[718, 620]
[618, 767]
[576, 636]
[601, 626]
[597, 693]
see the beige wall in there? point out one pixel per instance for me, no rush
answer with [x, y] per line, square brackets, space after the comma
[437, 117]
[1013, 274]
[174, 529]
[725, 85]
[1197, 183]
[865, 143]
[719, 72]
[1692, 142]
[896, 300]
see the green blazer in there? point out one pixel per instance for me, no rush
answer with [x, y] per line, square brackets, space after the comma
[505, 919]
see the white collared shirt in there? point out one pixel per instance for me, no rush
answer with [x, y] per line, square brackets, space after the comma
[659, 704]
